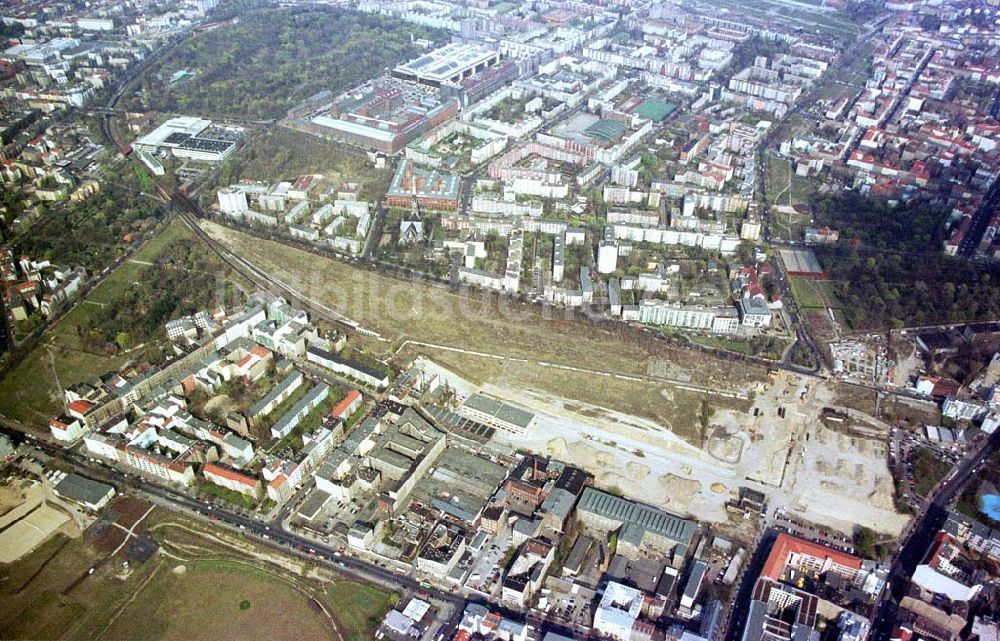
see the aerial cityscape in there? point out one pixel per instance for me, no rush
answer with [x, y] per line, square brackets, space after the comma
[500, 320]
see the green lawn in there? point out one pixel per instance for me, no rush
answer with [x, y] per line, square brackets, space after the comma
[32, 391]
[808, 292]
[801, 189]
[228, 495]
[359, 608]
[719, 342]
[928, 469]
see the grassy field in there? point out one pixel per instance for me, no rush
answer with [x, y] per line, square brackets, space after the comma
[402, 310]
[359, 608]
[32, 391]
[278, 597]
[807, 292]
[123, 277]
[39, 601]
[814, 299]
[786, 189]
[719, 342]
[258, 66]
[674, 409]
[205, 603]
[220, 593]
[928, 469]
[832, 25]
[778, 175]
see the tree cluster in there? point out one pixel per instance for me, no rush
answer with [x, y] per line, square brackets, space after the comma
[890, 270]
[182, 281]
[269, 60]
[884, 290]
[745, 53]
[90, 233]
[904, 228]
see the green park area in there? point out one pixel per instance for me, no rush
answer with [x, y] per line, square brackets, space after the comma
[928, 469]
[307, 50]
[119, 320]
[203, 587]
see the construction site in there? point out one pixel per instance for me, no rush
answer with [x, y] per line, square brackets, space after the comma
[768, 437]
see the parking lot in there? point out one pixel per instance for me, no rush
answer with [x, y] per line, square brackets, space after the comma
[485, 575]
[816, 534]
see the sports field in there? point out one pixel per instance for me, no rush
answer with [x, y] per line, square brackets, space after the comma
[801, 262]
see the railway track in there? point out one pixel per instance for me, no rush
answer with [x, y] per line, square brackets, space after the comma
[190, 213]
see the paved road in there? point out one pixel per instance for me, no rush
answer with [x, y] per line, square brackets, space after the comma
[741, 604]
[981, 220]
[803, 337]
[919, 537]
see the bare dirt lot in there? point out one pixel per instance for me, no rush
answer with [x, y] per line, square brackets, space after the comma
[30, 531]
[30, 515]
[808, 469]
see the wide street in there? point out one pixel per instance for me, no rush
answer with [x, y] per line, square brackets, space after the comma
[920, 534]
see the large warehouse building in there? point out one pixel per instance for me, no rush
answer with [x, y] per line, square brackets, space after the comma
[192, 138]
[448, 65]
[79, 489]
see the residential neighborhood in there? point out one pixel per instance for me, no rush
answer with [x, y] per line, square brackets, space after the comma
[493, 320]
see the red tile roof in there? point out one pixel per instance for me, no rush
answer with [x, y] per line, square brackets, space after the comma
[80, 406]
[901, 634]
[232, 475]
[786, 545]
[946, 388]
[340, 408]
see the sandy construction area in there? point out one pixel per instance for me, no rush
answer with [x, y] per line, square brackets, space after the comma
[838, 482]
[31, 514]
[810, 470]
